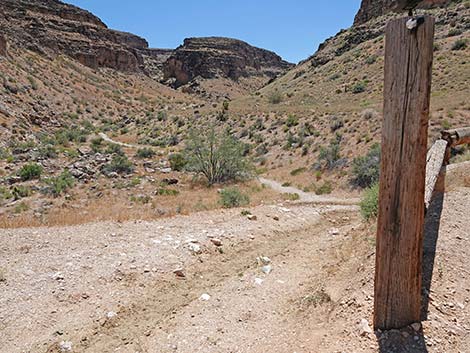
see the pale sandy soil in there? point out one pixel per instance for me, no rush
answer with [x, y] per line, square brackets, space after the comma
[110, 287]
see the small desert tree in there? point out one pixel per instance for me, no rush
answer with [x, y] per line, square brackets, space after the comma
[219, 157]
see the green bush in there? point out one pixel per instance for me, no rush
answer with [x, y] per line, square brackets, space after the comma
[114, 149]
[460, 44]
[292, 121]
[359, 87]
[119, 164]
[167, 192]
[329, 155]
[233, 197]
[219, 157]
[30, 171]
[370, 202]
[275, 97]
[326, 188]
[177, 161]
[145, 152]
[56, 186]
[96, 144]
[366, 169]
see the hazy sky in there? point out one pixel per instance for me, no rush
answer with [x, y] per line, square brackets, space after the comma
[293, 29]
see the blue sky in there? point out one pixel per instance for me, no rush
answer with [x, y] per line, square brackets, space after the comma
[293, 29]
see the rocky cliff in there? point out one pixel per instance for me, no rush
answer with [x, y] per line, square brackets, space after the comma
[374, 8]
[51, 27]
[216, 57]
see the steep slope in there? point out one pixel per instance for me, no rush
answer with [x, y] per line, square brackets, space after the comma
[338, 91]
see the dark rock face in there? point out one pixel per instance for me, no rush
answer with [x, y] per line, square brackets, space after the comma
[374, 8]
[214, 57]
[51, 27]
[3, 46]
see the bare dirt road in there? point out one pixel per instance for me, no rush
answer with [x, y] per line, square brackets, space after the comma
[299, 278]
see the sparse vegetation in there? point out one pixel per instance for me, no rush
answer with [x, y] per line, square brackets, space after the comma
[145, 152]
[56, 186]
[232, 197]
[366, 169]
[370, 202]
[177, 161]
[119, 164]
[460, 44]
[275, 97]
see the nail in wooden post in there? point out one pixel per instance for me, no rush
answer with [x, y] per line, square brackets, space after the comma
[407, 85]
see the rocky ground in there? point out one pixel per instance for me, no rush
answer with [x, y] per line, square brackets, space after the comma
[295, 278]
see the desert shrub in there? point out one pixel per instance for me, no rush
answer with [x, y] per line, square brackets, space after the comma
[177, 161]
[47, 151]
[371, 59]
[369, 114]
[119, 164]
[218, 157]
[370, 202]
[96, 144]
[460, 44]
[167, 192]
[145, 152]
[20, 191]
[291, 196]
[113, 148]
[336, 124]
[56, 186]
[454, 32]
[359, 87]
[30, 171]
[233, 197]
[326, 188]
[298, 171]
[275, 97]
[330, 155]
[292, 121]
[366, 169]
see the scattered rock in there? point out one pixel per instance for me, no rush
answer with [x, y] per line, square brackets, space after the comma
[267, 269]
[252, 217]
[364, 328]
[111, 314]
[216, 241]
[259, 281]
[65, 346]
[205, 297]
[263, 260]
[416, 326]
[195, 248]
[334, 231]
[179, 273]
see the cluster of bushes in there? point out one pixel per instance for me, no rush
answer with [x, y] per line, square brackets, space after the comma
[56, 186]
[366, 169]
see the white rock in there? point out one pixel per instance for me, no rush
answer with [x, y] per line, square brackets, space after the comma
[364, 328]
[263, 260]
[111, 314]
[334, 231]
[266, 269]
[58, 276]
[205, 297]
[65, 346]
[259, 281]
[195, 248]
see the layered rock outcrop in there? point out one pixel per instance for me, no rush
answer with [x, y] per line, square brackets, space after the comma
[374, 8]
[51, 27]
[215, 57]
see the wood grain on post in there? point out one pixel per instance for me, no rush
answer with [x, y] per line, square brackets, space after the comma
[407, 86]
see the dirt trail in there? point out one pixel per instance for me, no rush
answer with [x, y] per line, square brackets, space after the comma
[308, 196]
[110, 140]
[111, 287]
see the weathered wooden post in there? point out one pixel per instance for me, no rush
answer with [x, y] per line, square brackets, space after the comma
[407, 85]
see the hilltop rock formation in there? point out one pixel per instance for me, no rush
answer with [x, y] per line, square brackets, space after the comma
[374, 8]
[215, 57]
[51, 27]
